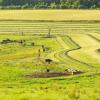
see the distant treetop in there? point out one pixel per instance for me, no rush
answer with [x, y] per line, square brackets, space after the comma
[49, 4]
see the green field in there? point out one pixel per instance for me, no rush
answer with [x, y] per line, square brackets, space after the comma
[74, 44]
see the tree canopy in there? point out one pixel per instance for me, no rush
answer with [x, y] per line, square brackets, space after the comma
[52, 4]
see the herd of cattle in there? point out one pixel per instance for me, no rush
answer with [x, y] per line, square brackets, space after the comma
[23, 42]
[9, 41]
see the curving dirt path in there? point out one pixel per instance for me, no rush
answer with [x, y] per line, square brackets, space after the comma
[64, 47]
[63, 56]
[88, 52]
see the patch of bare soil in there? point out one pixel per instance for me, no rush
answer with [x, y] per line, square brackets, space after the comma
[51, 74]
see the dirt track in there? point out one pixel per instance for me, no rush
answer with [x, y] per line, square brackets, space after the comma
[51, 74]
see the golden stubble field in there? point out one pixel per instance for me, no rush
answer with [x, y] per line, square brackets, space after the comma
[50, 15]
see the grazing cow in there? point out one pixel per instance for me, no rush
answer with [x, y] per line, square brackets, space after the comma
[32, 44]
[47, 70]
[21, 42]
[48, 61]
[43, 48]
[72, 71]
[6, 41]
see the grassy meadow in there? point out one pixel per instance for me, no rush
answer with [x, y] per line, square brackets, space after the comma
[74, 44]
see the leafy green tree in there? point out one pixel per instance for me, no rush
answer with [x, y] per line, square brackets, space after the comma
[62, 4]
[53, 5]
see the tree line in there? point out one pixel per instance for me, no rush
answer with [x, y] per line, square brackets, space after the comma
[49, 4]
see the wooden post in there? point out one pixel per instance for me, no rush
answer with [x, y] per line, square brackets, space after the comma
[49, 33]
[39, 53]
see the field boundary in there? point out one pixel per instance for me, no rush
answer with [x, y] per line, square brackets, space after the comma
[84, 21]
